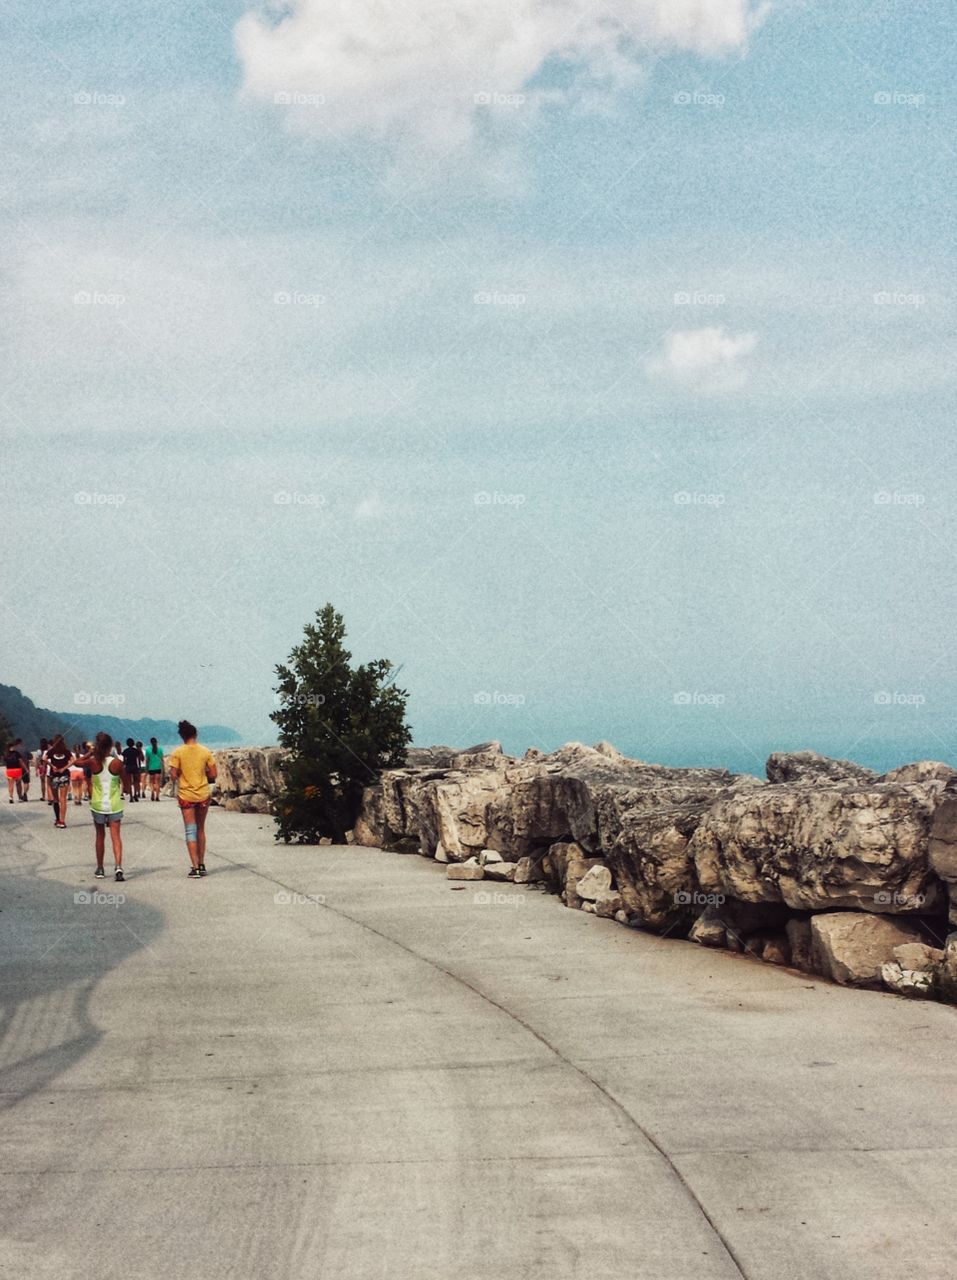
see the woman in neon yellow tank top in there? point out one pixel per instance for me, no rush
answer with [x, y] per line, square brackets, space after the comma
[107, 784]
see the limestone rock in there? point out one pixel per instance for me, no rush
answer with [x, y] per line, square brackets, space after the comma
[850, 946]
[824, 846]
[465, 871]
[500, 870]
[919, 956]
[709, 929]
[488, 856]
[594, 883]
[922, 771]
[916, 983]
[798, 931]
[528, 871]
[607, 903]
[810, 766]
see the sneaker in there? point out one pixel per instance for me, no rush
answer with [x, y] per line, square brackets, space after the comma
[120, 877]
[61, 825]
[202, 868]
[193, 873]
[99, 873]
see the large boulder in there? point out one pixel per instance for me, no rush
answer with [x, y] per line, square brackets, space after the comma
[822, 846]
[851, 947]
[248, 772]
[942, 849]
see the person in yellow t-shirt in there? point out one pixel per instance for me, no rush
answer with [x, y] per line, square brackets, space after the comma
[194, 768]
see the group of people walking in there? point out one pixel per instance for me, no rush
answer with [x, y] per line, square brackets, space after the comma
[104, 773]
[142, 772]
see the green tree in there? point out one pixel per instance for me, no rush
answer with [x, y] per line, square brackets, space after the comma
[342, 725]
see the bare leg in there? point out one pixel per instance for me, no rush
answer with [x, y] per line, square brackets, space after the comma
[117, 839]
[201, 812]
[100, 844]
[10, 788]
[189, 822]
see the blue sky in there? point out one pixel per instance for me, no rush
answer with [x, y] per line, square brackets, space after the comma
[598, 368]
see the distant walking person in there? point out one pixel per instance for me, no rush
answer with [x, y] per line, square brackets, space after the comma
[59, 759]
[42, 770]
[141, 756]
[23, 788]
[131, 769]
[154, 768]
[106, 800]
[194, 767]
[13, 765]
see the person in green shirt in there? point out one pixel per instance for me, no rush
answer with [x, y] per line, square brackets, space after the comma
[154, 768]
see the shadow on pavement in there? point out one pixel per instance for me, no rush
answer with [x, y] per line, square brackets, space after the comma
[56, 944]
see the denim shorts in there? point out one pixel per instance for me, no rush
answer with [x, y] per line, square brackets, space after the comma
[107, 819]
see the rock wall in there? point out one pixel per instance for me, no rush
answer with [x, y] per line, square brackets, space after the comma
[824, 866]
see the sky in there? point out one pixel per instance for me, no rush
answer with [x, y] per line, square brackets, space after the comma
[597, 364]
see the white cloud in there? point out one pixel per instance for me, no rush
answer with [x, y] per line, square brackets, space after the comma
[366, 67]
[710, 359]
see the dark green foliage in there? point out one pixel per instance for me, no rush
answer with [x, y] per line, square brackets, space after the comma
[342, 726]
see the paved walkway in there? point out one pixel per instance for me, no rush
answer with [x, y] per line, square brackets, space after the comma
[333, 1064]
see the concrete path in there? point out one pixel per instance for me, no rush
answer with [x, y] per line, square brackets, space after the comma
[333, 1064]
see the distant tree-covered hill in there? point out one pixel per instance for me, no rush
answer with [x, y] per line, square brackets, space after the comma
[30, 722]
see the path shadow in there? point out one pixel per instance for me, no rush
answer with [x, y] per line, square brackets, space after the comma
[56, 943]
